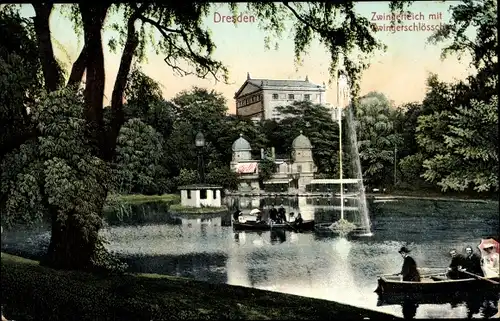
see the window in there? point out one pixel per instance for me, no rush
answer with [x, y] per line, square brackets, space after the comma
[275, 96]
[203, 194]
[189, 194]
[299, 168]
[307, 97]
[214, 193]
[291, 96]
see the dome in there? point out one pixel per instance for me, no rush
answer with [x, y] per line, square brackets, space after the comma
[301, 142]
[241, 144]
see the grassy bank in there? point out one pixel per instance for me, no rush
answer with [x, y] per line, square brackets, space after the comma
[178, 208]
[139, 198]
[32, 292]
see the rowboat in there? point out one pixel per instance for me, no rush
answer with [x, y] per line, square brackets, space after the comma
[437, 283]
[264, 226]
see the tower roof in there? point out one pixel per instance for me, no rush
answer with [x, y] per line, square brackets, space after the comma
[241, 144]
[301, 142]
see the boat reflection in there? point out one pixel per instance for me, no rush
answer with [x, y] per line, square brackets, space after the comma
[278, 236]
[483, 303]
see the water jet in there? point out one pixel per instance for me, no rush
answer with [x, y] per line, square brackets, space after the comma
[343, 226]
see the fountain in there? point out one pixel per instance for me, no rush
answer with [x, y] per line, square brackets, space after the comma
[343, 226]
[362, 205]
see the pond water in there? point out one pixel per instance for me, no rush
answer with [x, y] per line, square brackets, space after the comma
[313, 264]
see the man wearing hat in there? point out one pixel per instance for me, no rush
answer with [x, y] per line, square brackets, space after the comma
[409, 270]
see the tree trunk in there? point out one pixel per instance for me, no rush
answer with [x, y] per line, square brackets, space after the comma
[74, 240]
[93, 19]
[69, 249]
[78, 69]
[121, 83]
[50, 68]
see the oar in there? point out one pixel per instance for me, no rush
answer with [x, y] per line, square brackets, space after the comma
[481, 277]
[296, 230]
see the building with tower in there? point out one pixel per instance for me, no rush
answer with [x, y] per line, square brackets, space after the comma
[290, 175]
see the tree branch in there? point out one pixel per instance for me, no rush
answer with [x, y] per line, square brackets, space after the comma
[299, 17]
[50, 68]
[198, 59]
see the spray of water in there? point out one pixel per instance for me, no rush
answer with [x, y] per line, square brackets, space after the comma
[356, 165]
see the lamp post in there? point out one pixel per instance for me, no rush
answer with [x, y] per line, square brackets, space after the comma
[200, 143]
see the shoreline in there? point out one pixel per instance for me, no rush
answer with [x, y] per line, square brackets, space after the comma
[30, 291]
[174, 199]
[376, 196]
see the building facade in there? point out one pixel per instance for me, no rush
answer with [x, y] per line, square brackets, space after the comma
[289, 175]
[258, 98]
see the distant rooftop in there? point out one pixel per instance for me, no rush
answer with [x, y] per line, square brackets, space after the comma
[282, 83]
[259, 83]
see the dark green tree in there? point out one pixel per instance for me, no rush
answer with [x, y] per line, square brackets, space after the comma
[317, 124]
[377, 138]
[458, 128]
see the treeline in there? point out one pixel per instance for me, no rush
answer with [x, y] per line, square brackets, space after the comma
[156, 149]
[446, 142]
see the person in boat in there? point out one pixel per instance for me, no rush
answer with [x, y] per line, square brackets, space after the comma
[472, 262]
[298, 219]
[409, 271]
[258, 218]
[236, 214]
[273, 214]
[490, 262]
[281, 214]
[455, 264]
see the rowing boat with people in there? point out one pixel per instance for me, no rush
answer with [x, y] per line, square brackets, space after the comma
[307, 225]
[435, 283]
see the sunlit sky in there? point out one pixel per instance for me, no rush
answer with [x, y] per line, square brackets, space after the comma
[399, 73]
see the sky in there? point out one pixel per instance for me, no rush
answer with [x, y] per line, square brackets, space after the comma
[400, 72]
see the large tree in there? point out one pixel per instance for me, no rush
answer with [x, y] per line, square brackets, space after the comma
[183, 38]
[377, 138]
[458, 129]
[315, 121]
[468, 156]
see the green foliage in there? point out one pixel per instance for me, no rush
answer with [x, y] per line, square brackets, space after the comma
[223, 176]
[141, 93]
[467, 16]
[377, 138]
[20, 79]
[468, 157]
[266, 169]
[187, 177]
[56, 172]
[405, 123]
[316, 123]
[411, 168]
[138, 157]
